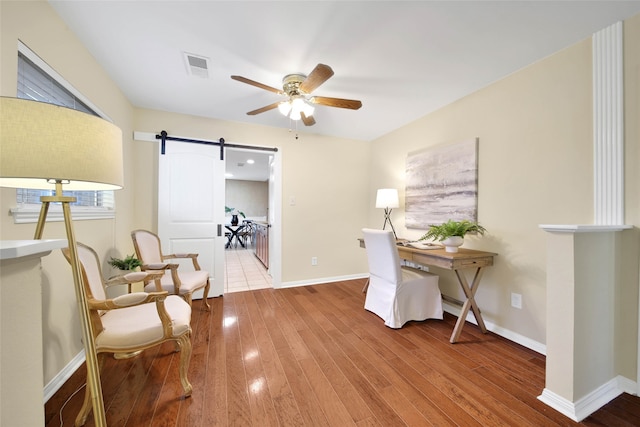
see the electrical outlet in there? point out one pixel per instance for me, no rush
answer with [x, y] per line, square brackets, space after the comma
[516, 300]
[314, 260]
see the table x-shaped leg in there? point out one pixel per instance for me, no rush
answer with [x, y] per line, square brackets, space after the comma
[470, 303]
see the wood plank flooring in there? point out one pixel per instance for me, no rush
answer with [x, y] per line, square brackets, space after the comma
[312, 356]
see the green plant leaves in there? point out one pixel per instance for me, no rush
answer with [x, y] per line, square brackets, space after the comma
[452, 228]
[129, 263]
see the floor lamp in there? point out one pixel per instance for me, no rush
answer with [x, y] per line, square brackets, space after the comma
[387, 198]
[46, 147]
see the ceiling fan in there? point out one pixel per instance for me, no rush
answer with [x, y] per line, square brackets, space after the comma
[297, 88]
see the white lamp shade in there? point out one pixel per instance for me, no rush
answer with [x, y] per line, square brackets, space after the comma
[41, 142]
[387, 198]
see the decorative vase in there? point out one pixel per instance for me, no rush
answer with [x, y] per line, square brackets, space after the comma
[451, 243]
[234, 220]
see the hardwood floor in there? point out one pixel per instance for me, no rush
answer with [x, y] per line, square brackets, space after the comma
[312, 356]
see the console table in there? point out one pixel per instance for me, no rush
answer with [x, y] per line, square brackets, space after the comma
[461, 260]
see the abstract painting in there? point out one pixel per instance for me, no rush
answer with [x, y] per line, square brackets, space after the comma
[442, 184]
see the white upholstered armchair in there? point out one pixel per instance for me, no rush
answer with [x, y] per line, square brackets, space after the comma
[131, 322]
[174, 281]
[397, 293]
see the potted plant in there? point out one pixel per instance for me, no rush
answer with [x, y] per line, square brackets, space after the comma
[451, 233]
[234, 214]
[129, 263]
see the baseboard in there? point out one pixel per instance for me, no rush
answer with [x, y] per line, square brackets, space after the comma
[62, 376]
[627, 386]
[319, 281]
[498, 330]
[590, 403]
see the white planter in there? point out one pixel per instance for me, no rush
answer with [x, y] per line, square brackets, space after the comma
[451, 244]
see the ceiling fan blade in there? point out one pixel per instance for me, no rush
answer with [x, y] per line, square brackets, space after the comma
[257, 84]
[319, 75]
[307, 120]
[263, 109]
[351, 104]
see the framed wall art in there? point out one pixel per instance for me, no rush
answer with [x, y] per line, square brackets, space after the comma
[442, 184]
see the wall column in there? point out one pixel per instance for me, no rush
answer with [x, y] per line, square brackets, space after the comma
[581, 276]
[583, 268]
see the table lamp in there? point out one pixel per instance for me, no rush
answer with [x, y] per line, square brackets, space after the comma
[387, 198]
[45, 146]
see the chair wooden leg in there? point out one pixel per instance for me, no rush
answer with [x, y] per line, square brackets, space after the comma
[87, 406]
[81, 419]
[185, 358]
[187, 298]
[206, 295]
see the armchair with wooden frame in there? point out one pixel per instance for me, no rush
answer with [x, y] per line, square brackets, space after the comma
[131, 322]
[184, 283]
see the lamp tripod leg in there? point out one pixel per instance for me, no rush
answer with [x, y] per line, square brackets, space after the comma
[387, 218]
[93, 369]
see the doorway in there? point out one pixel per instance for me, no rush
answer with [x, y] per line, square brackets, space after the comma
[274, 199]
[252, 188]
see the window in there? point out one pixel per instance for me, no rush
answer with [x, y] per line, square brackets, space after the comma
[39, 82]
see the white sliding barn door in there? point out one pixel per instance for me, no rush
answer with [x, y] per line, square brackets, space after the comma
[191, 207]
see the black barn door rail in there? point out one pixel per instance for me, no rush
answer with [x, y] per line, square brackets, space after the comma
[221, 143]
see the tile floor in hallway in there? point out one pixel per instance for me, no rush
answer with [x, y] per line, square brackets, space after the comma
[244, 271]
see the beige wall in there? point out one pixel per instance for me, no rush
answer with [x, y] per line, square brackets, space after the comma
[249, 197]
[535, 166]
[626, 326]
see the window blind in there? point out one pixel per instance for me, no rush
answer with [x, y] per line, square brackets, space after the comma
[35, 84]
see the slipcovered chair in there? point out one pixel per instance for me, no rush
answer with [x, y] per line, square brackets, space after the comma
[397, 293]
[183, 283]
[130, 323]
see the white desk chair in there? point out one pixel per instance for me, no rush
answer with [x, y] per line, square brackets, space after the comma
[396, 293]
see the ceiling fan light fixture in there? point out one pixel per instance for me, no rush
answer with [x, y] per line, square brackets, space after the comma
[308, 109]
[284, 107]
[295, 114]
[298, 88]
[297, 103]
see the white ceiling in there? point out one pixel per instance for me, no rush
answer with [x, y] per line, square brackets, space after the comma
[403, 60]
[239, 166]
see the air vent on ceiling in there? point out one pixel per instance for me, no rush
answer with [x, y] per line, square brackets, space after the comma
[197, 65]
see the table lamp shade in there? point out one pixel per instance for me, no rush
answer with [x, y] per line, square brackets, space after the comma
[387, 198]
[41, 143]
